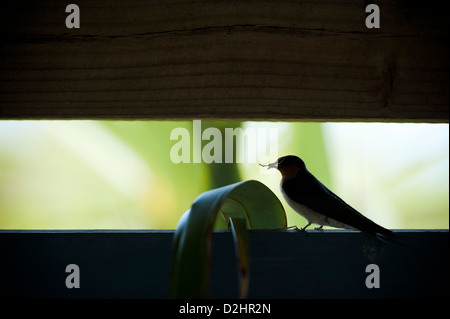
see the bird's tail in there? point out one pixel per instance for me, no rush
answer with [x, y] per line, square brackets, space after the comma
[387, 236]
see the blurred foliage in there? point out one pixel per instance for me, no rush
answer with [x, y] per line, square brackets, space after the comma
[222, 174]
[118, 174]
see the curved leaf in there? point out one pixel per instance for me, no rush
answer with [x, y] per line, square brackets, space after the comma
[238, 228]
[250, 200]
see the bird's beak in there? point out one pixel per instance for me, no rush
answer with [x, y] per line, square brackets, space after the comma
[271, 165]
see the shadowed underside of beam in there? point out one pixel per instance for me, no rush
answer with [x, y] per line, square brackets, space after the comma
[275, 60]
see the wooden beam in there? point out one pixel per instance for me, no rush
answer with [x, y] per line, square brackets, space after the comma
[276, 60]
[285, 264]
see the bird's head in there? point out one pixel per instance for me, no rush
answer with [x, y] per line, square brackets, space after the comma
[288, 166]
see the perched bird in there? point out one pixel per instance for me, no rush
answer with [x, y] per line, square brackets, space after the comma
[314, 201]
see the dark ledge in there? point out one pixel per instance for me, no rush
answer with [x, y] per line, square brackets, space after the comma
[284, 264]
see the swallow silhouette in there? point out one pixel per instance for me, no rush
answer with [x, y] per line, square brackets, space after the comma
[315, 202]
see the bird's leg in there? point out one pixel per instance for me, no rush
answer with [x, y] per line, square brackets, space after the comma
[319, 228]
[303, 229]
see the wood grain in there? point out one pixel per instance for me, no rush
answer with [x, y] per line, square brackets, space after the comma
[258, 60]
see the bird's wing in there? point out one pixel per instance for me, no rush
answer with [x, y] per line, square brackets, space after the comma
[312, 193]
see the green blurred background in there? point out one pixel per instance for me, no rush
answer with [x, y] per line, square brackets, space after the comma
[119, 175]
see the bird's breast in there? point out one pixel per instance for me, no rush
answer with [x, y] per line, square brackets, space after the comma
[311, 215]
